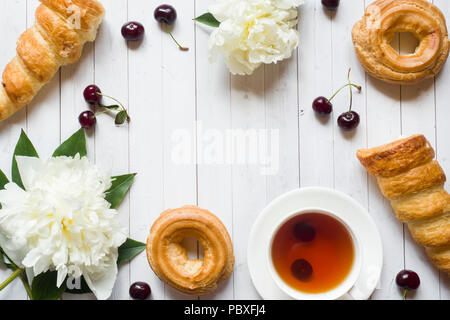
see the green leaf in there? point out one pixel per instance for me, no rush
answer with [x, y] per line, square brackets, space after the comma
[5, 260]
[84, 288]
[129, 250]
[3, 181]
[208, 19]
[75, 144]
[44, 287]
[113, 107]
[119, 188]
[24, 147]
[121, 117]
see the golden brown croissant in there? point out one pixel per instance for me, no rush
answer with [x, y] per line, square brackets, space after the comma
[414, 183]
[56, 39]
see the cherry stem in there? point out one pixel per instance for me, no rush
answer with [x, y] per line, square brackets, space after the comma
[120, 103]
[351, 91]
[175, 40]
[404, 294]
[344, 86]
[99, 113]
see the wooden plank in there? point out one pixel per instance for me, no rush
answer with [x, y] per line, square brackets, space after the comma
[315, 79]
[249, 186]
[419, 116]
[43, 121]
[13, 16]
[383, 109]
[347, 174]
[282, 127]
[179, 114]
[442, 132]
[214, 119]
[74, 79]
[146, 138]
[111, 141]
[383, 126]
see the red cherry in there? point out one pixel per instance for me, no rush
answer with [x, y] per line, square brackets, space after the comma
[87, 119]
[331, 4]
[301, 269]
[133, 31]
[304, 232]
[348, 120]
[140, 290]
[165, 13]
[408, 279]
[322, 106]
[92, 96]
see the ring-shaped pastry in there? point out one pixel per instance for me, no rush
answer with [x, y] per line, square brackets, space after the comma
[169, 259]
[373, 34]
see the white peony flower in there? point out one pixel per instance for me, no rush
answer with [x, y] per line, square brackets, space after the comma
[62, 222]
[253, 32]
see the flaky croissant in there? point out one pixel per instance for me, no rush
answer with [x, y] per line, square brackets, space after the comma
[413, 181]
[56, 39]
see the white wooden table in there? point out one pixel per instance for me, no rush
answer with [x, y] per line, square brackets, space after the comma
[168, 90]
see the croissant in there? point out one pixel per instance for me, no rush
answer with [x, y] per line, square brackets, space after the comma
[56, 39]
[413, 181]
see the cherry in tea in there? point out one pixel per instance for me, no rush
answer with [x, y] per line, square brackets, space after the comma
[313, 252]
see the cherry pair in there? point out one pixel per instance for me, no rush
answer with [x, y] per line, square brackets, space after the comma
[348, 120]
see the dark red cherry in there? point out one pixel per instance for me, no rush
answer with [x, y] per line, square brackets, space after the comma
[348, 120]
[322, 106]
[301, 269]
[304, 232]
[408, 279]
[140, 291]
[331, 4]
[165, 13]
[87, 119]
[133, 31]
[91, 95]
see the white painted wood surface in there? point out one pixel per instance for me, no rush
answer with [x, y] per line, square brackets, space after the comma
[168, 90]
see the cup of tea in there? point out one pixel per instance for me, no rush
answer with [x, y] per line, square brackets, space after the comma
[314, 254]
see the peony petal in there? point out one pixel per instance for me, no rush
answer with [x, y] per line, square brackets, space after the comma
[11, 195]
[15, 255]
[30, 275]
[62, 274]
[102, 284]
[287, 4]
[28, 169]
[61, 222]
[37, 260]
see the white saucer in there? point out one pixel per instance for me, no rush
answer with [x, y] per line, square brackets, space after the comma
[342, 205]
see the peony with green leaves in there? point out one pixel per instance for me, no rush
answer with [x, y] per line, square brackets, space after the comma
[59, 222]
[249, 33]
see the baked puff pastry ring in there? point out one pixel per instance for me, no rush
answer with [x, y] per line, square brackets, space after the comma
[169, 260]
[373, 34]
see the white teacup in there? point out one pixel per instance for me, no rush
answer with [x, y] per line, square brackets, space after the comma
[346, 289]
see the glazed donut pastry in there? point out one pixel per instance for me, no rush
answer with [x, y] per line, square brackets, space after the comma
[56, 39]
[373, 34]
[169, 260]
[414, 183]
